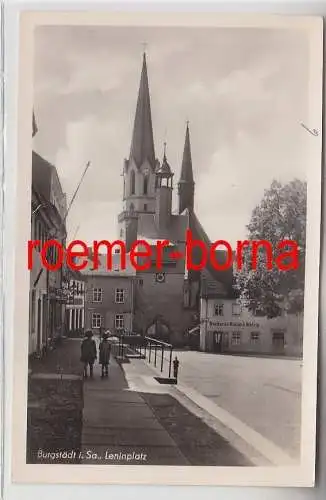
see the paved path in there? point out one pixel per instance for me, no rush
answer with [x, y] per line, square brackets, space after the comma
[264, 393]
[120, 428]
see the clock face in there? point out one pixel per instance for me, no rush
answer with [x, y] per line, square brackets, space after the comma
[160, 277]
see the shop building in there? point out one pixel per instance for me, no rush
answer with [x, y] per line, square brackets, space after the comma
[228, 327]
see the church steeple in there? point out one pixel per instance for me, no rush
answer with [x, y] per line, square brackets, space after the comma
[164, 187]
[186, 185]
[142, 144]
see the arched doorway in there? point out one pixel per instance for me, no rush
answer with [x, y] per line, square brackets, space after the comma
[159, 329]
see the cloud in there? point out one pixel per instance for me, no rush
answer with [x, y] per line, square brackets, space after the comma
[243, 90]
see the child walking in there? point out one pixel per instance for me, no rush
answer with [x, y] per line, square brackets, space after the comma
[105, 352]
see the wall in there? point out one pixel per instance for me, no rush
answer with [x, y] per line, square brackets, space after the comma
[163, 299]
[38, 331]
[75, 318]
[139, 198]
[108, 308]
[246, 324]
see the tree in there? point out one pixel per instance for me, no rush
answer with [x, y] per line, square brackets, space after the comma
[281, 215]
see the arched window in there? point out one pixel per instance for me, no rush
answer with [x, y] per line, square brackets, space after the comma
[132, 182]
[146, 184]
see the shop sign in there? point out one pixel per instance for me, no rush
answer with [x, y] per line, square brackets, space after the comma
[237, 324]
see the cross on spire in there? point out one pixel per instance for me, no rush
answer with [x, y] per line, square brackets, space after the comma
[144, 44]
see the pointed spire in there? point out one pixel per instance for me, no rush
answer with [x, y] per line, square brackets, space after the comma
[186, 168]
[142, 144]
[186, 185]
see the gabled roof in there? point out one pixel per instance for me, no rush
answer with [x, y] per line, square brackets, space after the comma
[221, 277]
[142, 144]
[176, 232]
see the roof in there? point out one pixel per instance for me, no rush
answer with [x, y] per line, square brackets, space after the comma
[165, 169]
[142, 144]
[102, 270]
[49, 212]
[175, 232]
[186, 167]
[211, 288]
[42, 172]
[224, 277]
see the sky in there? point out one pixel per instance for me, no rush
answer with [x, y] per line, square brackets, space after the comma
[243, 90]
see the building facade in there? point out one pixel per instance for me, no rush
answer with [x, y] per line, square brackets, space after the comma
[109, 297]
[47, 304]
[228, 327]
[38, 295]
[75, 307]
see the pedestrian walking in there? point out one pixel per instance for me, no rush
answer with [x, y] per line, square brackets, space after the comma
[105, 353]
[175, 367]
[88, 353]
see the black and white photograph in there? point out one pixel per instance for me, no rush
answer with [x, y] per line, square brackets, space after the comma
[167, 250]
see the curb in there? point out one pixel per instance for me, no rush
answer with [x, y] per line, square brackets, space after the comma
[256, 448]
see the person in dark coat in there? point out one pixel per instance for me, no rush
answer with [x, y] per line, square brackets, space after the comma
[105, 352]
[88, 353]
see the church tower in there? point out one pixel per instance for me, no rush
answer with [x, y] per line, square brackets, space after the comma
[186, 185]
[164, 187]
[139, 169]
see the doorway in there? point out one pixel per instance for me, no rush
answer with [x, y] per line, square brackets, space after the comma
[278, 342]
[218, 342]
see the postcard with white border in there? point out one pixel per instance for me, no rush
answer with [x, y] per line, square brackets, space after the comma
[167, 249]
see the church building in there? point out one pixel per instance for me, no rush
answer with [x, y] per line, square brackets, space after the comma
[167, 300]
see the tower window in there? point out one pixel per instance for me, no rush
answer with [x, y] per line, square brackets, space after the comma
[145, 207]
[132, 182]
[146, 184]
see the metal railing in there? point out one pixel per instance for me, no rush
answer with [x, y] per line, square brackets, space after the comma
[152, 347]
[155, 351]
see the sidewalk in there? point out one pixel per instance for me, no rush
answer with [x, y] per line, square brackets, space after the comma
[129, 418]
[120, 428]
